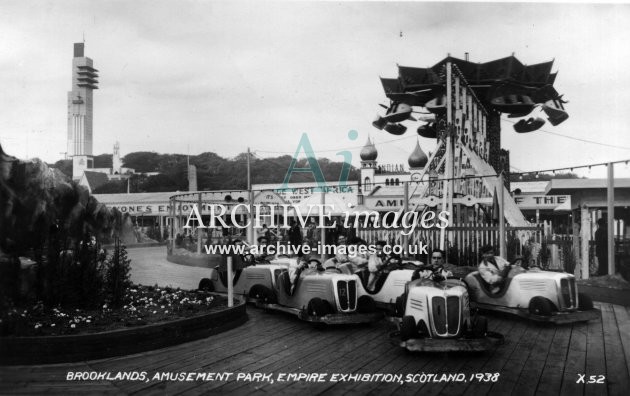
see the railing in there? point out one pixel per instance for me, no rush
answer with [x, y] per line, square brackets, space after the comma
[464, 242]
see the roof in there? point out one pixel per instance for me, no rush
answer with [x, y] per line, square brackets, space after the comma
[568, 186]
[531, 187]
[95, 179]
[160, 197]
[134, 198]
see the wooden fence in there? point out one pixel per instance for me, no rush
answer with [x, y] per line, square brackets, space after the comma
[463, 243]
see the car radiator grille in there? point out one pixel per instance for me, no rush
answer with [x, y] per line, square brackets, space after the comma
[446, 315]
[347, 295]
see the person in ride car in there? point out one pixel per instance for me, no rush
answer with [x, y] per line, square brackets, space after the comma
[493, 269]
[359, 256]
[435, 270]
[376, 262]
[263, 255]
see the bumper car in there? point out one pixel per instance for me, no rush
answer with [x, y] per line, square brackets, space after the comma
[390, 283]
[252, 282]
[542, 296]
[436, 317]
[320, 296]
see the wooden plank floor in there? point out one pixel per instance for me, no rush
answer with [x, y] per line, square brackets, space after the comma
[541, 360]
[534, 360]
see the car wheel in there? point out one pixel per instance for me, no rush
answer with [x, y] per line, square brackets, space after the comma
[423, 330]
[540, 306]
[366, 304]
[408, 328]
[480, 326]
[206, 285]
[263, 294]
[317, 307]
[584, 302]
[400, 306]
[255, 292]
[268, 297]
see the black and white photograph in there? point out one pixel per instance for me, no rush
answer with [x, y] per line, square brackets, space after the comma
[207, 197]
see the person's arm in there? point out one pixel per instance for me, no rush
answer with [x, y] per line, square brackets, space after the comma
[359, 260]
[503, 265]
[374, 263]
[487, 274]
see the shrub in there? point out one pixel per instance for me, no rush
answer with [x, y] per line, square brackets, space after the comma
[117, 275]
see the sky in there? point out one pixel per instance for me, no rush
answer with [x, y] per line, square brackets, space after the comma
[197, 76]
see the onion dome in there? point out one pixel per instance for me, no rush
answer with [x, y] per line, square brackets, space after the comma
[368, 152]
[417, 159]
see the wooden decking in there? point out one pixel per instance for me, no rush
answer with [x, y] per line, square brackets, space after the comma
[534, 359]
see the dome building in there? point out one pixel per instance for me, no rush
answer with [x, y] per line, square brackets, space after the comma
[418, 159]
[383, 184]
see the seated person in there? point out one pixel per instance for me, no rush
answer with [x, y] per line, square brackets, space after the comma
[348, 254]
[493, 269]
[435, 270]
[239, 261]
[358, 256]
[340, 256]
[246, 258]
[375, 263]
[262, 253]
[304, 265]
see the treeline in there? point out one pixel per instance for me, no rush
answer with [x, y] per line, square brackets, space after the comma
[213, 171]
[542, 176]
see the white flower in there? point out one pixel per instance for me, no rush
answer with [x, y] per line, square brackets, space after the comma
[73, 325]
[52, 325]
[154, 312]
[88, 321]
[104, 306]
[165, 312]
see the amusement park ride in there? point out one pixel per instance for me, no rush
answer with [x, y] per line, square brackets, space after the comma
[461, 106]
[460, 103]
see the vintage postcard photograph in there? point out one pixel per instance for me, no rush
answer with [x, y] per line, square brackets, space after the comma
[314, 198]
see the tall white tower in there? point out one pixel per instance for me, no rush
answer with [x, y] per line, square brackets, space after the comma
[116, 161]
[80, 111]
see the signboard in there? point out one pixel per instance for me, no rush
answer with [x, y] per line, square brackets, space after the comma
[296, 193]
[541, 201]
[163, 209]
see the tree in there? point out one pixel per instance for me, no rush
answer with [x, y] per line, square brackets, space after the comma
[542, 176]
[117, 274]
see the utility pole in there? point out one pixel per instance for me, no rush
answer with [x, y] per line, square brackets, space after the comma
[502, 246]
[250, 195]
[610, 220]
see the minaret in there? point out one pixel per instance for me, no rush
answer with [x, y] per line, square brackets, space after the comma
[368, 165]
[80, 111]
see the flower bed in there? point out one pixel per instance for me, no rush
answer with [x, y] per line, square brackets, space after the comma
[145, 305]
[152, 318]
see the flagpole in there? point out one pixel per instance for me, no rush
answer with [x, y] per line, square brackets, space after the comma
[502, 246]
